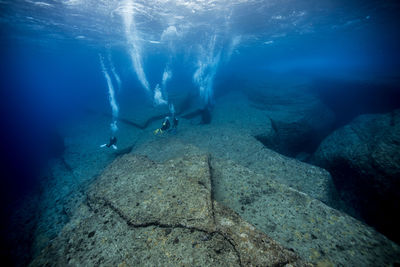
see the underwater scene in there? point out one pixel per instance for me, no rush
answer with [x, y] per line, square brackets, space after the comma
[200, 132]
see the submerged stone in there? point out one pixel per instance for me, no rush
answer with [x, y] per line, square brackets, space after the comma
[201, 232]
[320, 234]
[364, 159]
[299, 119]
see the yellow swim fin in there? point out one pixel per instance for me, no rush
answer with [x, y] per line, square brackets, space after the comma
[157, 131]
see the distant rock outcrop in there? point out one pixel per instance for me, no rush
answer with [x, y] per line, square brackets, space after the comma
[364, 159]
[140, 213]
[299, 119]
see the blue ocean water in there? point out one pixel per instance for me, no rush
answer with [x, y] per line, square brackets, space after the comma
[137, 61]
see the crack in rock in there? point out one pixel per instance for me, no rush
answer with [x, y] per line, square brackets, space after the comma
[108, 204]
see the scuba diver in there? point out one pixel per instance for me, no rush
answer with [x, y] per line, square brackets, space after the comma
[169, 125]
[112, 143]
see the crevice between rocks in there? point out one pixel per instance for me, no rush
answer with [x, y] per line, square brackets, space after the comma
[210, 170]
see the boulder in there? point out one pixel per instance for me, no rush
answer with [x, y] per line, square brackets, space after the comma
[239, 145]
[298, 118]
[318, 233]
[364, 159]
[140, 213]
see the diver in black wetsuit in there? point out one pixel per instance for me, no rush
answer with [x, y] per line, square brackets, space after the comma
[112, 143]
[169, 124]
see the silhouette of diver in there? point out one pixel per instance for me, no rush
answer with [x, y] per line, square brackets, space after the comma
[166, 125]
[112, 143]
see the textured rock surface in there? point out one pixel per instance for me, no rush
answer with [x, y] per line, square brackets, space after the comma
[227, 141]
[299, 119]
[230, 140]
[364, 158]
[320, 234]
[139, 213]
[64, 185]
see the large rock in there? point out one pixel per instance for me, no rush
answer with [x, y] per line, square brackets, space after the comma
[62, 187]
[298, 118]
[231, 135]
[140, 213]
[229, 141]
[320, 234]
[364, 159]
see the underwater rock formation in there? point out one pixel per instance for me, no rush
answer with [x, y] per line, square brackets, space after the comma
[315, 231]
[142, 213]
[240, 146]
[244, 176]
[143, 114]
[364, 159]
[203, 113]
[318, 233]
[299, 119]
